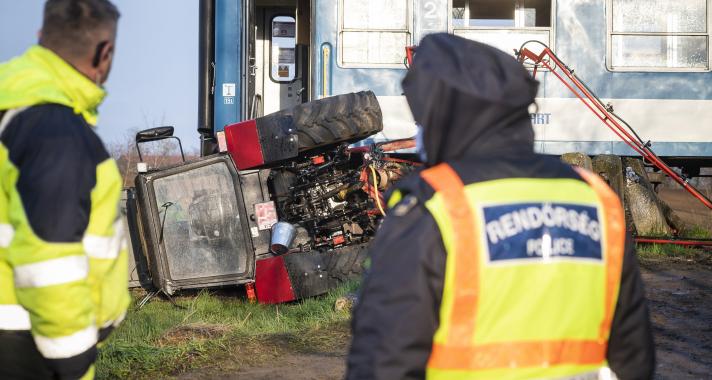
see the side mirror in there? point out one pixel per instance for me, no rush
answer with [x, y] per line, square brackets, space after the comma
[155, 134]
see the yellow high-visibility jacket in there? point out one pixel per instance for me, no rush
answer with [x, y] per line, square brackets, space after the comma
[531, 280]
[63, 258]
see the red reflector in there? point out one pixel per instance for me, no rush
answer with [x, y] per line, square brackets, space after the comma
[243, 144]
[250, 289]
[340, 239]
[272, 281]
[318, 160]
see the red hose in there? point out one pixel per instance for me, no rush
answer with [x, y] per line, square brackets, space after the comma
[580, 90]
[689, 243]
[402, 161]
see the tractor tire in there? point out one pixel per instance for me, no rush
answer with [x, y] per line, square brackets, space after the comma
[339, 119]
[346, 264]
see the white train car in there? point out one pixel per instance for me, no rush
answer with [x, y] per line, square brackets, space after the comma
[650, 59]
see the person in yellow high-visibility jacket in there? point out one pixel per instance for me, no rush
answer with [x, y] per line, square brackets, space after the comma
[495, 262]
[63, 258]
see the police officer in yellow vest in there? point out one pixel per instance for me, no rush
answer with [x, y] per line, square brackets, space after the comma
[495, 262]
[63, 263]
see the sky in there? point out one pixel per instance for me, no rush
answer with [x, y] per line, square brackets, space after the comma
[154, 79]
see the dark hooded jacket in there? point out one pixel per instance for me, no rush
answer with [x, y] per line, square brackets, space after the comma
[472, 103]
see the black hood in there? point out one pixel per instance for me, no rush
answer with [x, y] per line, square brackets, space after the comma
[471, 99]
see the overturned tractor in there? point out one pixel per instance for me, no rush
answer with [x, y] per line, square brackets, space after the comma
[290, 206]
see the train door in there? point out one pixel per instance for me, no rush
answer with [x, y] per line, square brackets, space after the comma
[281, 52]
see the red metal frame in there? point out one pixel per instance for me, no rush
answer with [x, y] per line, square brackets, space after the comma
[409, 54]
[688, 243]
[549, 60]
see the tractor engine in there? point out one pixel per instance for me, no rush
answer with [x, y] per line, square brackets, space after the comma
[334, 197]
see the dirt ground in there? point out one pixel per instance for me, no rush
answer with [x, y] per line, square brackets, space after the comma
[686, 206]
[323, 366]
[326, 365]
[679, 296]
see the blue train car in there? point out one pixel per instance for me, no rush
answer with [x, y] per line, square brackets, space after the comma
[651, 60]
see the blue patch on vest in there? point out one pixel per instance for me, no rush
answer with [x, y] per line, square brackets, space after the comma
[536, 231]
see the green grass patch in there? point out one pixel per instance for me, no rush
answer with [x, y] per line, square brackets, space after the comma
[660, 251]
[674, 251]
[696, 232]
[217, 331]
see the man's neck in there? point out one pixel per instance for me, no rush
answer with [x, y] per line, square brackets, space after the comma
[78, 64]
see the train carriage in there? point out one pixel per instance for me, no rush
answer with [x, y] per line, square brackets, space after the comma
[650, 60]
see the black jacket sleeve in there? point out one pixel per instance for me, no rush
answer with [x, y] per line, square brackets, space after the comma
[397, 312]
[631, 351]
[56, 154]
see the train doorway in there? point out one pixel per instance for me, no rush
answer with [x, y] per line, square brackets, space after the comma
[279, 56]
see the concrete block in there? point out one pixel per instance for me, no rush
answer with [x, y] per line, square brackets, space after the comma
[672, 220]
[578, 159]
[610, 168]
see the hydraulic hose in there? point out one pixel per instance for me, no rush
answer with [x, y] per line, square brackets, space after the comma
[684, 242]
[377, 194]
[605, 113]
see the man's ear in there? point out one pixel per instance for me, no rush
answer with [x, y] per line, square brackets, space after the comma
[108, 52]
[103, 52]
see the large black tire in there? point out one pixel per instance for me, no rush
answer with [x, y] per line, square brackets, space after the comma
[327, 122]
[346, 263]
[314, 273]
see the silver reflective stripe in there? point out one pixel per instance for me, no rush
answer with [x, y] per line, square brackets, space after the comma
[116, 322]
[9, 114]
[120, 319]
[66, 346]
[52, 272]
[14, 317]
[606, 373]
[105, 247]
[6, 235]
[603, 373]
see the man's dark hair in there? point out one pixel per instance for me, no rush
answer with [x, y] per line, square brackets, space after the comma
[71, 26]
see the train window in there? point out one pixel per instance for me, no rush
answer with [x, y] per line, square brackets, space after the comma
[660, 35]
[505, 24]
[374, 33]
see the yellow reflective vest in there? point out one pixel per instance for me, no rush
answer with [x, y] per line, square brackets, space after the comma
[63, 291]
[531, 279]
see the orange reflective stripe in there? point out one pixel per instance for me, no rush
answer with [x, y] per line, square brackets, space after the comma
[445, 180]
[518, 355]
[614, 222]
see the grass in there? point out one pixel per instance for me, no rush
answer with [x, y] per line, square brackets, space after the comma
[673, 251]
[653, 256]
[218, 331]
[696, 232]
[661, 251]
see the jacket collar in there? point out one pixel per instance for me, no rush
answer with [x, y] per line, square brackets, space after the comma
[41, 76]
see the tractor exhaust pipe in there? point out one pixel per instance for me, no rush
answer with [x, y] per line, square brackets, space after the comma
[206, 33]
